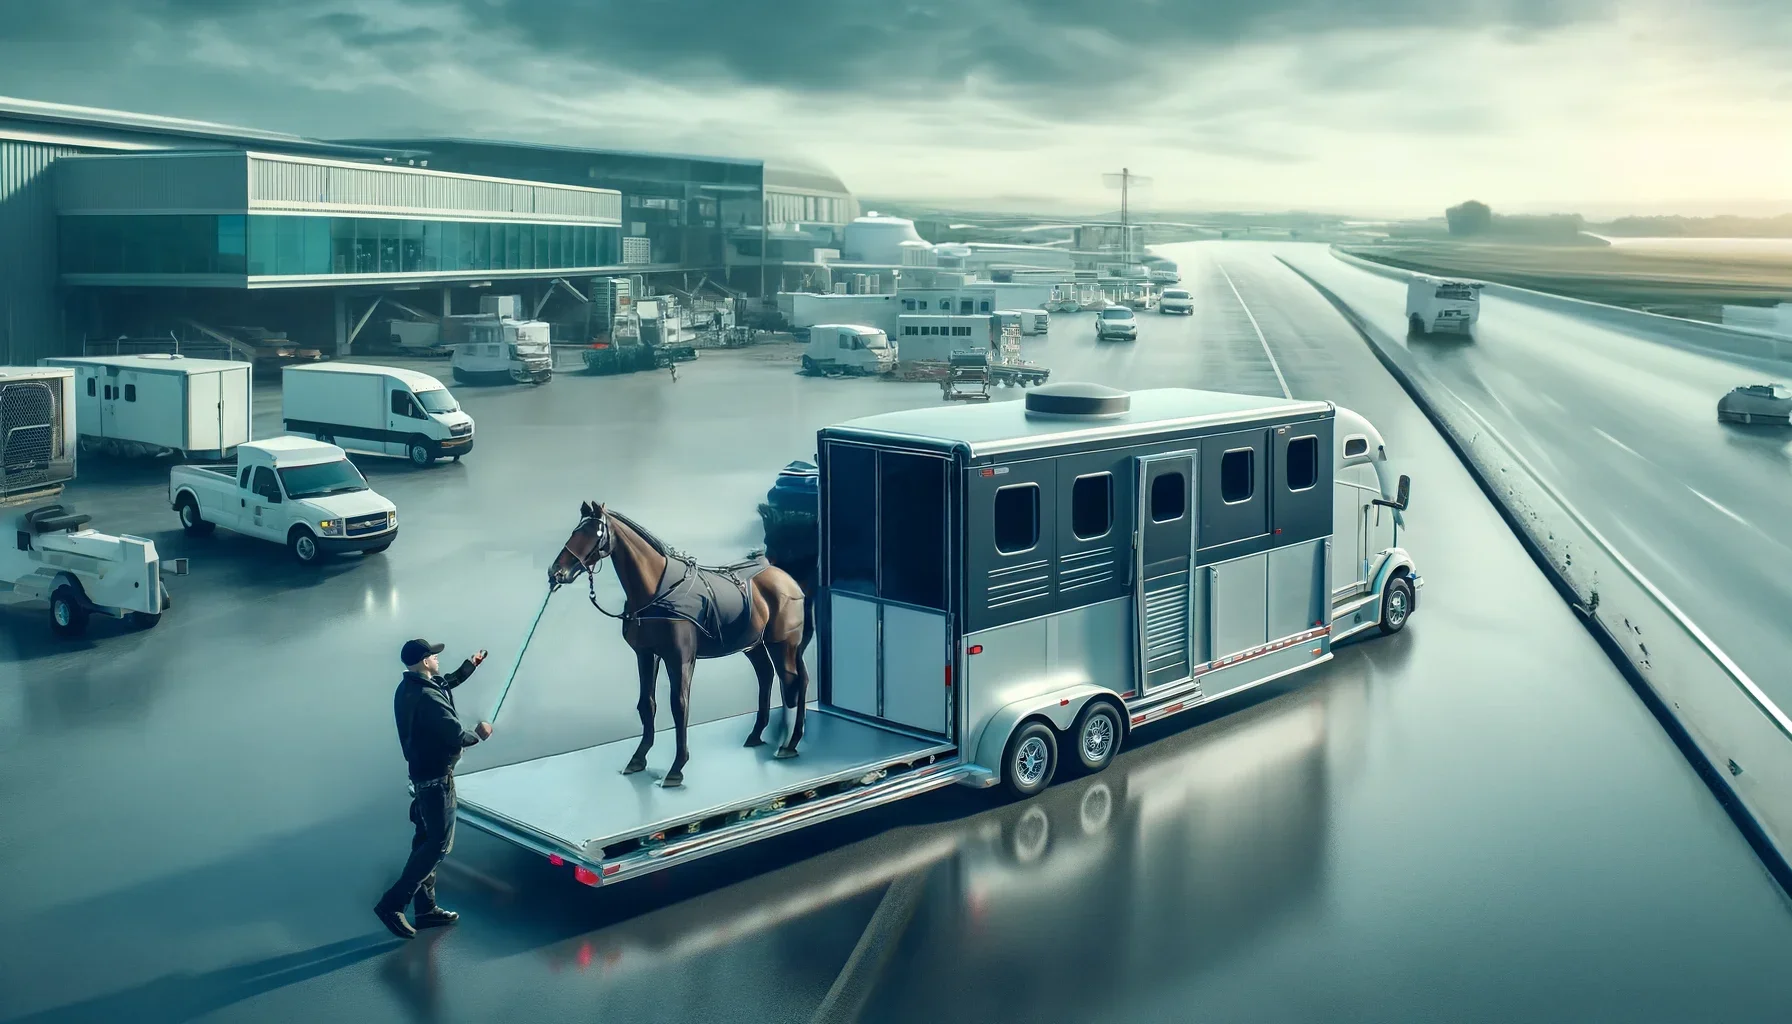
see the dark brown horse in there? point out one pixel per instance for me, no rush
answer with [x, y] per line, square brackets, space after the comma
[675, 612]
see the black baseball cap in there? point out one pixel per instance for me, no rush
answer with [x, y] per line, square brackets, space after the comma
[416, 650]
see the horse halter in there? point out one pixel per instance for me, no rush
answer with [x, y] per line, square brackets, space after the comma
[593, 560]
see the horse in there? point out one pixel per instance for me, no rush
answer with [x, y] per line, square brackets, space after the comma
[677, 612]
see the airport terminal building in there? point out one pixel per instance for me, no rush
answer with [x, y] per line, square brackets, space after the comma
[126, 226]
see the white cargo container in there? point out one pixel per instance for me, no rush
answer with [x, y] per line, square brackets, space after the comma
[1028, 321]
[379, 410]
[159, 403]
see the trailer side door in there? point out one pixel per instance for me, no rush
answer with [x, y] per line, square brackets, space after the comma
[1165, 568]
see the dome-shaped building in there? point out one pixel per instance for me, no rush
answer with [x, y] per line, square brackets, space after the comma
[880, 240]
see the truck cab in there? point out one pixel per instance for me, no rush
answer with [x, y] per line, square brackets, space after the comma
[292, 491]
[496, 350]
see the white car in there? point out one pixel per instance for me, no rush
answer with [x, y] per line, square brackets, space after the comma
[1176, 300]
[293, 491]
[1116, 323]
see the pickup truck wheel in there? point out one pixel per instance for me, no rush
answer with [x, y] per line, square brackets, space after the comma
[303, 546]
[1097, 734]
[1396, 605]
[422, 452]
[190, 519]
[68, 616]
[1031, 760]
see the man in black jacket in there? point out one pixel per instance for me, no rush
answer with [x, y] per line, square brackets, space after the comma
[429, 731]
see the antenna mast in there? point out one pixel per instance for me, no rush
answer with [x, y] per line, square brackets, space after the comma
[1125, 181]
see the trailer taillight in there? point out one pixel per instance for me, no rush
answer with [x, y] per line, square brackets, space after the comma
[555, 859]
[610, 869]
[585, 875]
[975, 649]
[948, 676]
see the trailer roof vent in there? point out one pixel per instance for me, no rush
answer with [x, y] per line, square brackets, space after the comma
[1071, 399]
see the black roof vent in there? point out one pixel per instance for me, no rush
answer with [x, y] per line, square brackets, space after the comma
[1072, 399]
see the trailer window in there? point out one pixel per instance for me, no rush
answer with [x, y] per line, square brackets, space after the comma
[130, 392]
[1169, 498]
[1303, 463]
[90, 388]
[1017, 518]
[1092, 506]
[1237, 476]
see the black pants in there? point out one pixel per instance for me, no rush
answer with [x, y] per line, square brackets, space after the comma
[432, 813]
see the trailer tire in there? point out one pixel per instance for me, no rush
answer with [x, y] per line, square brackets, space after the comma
[190, 520]
[1030, 760]
[1097, 733]
[1415, 326]
[422, 452]
[68, 613]
[303, 546]
[1396, 605]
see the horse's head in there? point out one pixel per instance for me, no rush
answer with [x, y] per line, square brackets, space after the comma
[591, 542]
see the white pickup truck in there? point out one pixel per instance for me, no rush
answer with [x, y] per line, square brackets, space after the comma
[301, 493]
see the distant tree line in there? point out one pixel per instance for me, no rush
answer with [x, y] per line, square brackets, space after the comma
[1476, 219]
[1700, 227]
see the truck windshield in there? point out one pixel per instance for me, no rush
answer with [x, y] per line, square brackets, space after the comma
[1455, 291]
[876, 341]
[437, 401]
[323, 478]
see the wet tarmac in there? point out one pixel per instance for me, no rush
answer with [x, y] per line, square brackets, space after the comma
[1476, 819]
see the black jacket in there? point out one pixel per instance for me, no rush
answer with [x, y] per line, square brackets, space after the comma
[428, 729]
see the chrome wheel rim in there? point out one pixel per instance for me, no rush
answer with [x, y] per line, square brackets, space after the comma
[1030, 760]
[1098, 738]
[1396, 607]
[63, 615]
[306, 548]
[187, 516]
[419, 454]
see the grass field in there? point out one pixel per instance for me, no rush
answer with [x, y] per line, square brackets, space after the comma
[1686, 283]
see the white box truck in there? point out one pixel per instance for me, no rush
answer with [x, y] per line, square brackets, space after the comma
[1439, 304]
[157, 403]
[847, 350]
[376, 410]
[493, 349]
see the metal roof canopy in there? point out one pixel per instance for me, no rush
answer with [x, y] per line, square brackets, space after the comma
[1005, 427]
[66, 115]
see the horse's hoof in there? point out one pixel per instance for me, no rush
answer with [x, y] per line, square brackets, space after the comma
[638, 764]
[672, 781]
[785, 753]
[755, 741]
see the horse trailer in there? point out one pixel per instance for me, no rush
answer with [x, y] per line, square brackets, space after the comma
[1004, 588]
[156, 402]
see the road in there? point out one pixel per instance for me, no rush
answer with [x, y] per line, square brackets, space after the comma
[1627, 430]
[1474, 819]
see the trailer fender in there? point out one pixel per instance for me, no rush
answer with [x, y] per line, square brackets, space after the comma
[1395, 562]
[1057, 707]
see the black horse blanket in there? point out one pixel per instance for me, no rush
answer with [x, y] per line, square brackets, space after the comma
[715, 600]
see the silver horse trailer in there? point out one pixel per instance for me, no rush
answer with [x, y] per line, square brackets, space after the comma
[1006, 588]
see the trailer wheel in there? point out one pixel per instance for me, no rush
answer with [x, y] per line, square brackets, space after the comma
[1396, 605]
[422, 452]
[303, 545]
[1031, 760]
[190, 519]
[1415, 326]
[1097, 732]
[68, 615]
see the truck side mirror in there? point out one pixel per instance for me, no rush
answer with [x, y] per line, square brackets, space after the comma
[1403, 492]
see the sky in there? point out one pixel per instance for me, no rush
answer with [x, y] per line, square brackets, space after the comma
[1372, 107]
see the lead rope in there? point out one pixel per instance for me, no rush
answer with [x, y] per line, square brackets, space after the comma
[518, 663]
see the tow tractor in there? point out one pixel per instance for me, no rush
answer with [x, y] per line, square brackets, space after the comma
[50, 554]
[1004, 590]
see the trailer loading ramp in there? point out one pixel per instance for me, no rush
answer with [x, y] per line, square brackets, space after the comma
[578, 806]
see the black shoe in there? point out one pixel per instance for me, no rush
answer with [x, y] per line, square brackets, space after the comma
[436, 917]
[395, 922]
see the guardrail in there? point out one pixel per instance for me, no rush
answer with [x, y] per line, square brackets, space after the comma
[1738, 738]
[1772, 352]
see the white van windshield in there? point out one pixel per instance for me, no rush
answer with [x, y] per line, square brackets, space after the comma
[437, 401]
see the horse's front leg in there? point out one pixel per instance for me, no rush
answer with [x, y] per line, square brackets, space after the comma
[678, 678]
[647, 666]
[762, 667]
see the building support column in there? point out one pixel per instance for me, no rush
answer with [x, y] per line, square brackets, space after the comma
[447, 300]
[340, 319]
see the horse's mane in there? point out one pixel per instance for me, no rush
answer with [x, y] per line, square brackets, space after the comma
[645, 534]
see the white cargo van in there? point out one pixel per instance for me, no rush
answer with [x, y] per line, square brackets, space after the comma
[155, 403]
[854, 349]
[378, 410]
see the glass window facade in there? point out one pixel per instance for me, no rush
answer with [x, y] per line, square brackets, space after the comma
[276, 246]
